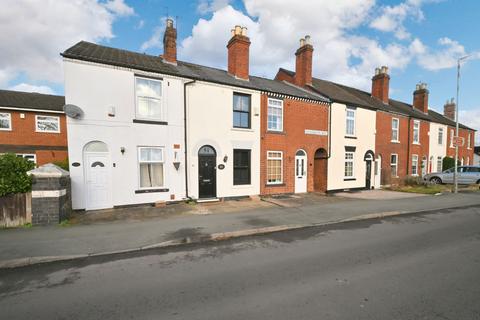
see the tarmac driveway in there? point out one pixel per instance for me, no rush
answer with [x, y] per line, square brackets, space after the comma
[378, 194]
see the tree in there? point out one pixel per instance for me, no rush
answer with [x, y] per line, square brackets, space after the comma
[13, 174]
[448, 163]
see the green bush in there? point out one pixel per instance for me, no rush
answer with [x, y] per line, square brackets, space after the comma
[62, 164]
[13, 174]
[448, 163]
[412, 181]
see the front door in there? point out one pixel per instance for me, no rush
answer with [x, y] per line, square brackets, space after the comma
[207, 172]
[97, 181]
[300, 172]
[368, 175]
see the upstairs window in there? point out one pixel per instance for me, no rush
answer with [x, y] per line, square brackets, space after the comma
[149, 99]
[275, 115]
[150, 161]
[5, 121]
[241, 110]
[440, 136]
[47, 124]
[241, 167]
[395, 128]
[416, 131]
[350, 121]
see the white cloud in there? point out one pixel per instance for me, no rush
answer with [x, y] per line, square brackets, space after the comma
[32, 88]
[471, 118]
[35, 32]
[140, 24]
[445, 57]
[156, 40]
[209, 6]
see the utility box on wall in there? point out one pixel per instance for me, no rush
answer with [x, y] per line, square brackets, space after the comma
[51, 201]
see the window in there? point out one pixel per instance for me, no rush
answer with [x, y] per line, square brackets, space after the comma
[394, 165]
[275, 115]
[28, 156]
[350, 124]
[468, 161]
[416, 131]
[395, 127]
[414, 165]
[149, 99]
[439, 164]
[440, 136]
[274, 167]
[469, 141]
[348, 164]
[151, 167]
[241, 167]
[47, 124]
[5, 121]
[241, 110]
[452, 134]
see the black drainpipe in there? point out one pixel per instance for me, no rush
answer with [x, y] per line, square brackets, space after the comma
[185, 132]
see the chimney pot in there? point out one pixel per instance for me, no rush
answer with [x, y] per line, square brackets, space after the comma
[381, 84]
[170, 42]
[238, 30]
[169, 22]
[307, 39]
[302, 42]
[449, 109]
[420, 97]
[244, 31]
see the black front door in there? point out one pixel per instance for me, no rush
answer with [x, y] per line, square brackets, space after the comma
[368, 177]
[207, 172]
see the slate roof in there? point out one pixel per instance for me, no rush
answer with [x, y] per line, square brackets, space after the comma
[31, 100]
[359, 98]
[91, 52]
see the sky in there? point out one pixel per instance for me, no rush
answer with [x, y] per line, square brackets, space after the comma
[419, 40]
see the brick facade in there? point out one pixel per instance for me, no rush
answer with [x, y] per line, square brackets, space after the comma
[297, 117]
[238, 53]
[420, 149]
[23, 138]
[465, 152]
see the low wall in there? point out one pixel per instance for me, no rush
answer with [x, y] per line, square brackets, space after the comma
[15, 210]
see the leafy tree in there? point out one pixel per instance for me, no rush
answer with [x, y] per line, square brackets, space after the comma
[449, 163]
[13, 174]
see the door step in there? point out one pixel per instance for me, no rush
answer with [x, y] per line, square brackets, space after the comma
[205, 200]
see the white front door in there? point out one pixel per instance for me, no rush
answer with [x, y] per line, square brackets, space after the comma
[378, 172]
[97, 182]
[300, 172]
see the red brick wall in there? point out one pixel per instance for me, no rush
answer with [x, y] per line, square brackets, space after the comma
[238, 56]
[48, 147]
[381, 86]
[283, 76]
[463, 152]
[297, 116]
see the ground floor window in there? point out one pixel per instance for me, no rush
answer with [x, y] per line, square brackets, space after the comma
[241, 166]
[150, 161]
[28, 156]
[394, 165]
[274, 167]
[348, 164]
[415, 165]
[439, 164]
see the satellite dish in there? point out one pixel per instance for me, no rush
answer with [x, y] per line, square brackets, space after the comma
[73, 111]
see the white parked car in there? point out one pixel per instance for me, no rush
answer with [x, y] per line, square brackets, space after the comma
[466, 175]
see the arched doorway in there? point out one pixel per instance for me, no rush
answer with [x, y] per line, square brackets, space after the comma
[368, 158]
[207, 172]
[97, 176]
[300, 171]
[320, 170]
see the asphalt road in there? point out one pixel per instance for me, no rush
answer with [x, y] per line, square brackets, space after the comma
[415, 267]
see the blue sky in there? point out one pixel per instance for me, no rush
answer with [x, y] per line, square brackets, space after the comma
[418, 39]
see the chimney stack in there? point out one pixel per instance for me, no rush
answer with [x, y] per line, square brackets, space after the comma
[381, 84]
[303, 65]
[238, 53]
[170, 43]
[420, 97]
[449, 109]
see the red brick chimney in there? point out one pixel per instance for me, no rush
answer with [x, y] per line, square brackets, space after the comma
[303, 65]
[449, 109]
[170, 43]
[238, 53]
[381, 84]
[420, 97]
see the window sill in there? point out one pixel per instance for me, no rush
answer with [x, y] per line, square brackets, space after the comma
[416, 143]
[276, 132]
[395, 141]
[349, 179]
[350, 137]
[243, 129]
[152, 190]
[164, 123]
[38, 131]
[275, 185]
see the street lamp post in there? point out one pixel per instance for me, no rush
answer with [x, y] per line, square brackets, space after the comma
[455, 174]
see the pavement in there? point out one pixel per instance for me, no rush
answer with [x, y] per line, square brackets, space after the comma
[27, 246]
[422, 266]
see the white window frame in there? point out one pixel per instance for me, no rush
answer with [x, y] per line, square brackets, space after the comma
[417, 140]
[352, 161]
[281, 166]
[396, 130]
[452, 135]
[469, 141]
[440, 136]
[139, 148]
[162, 105]
[415, 156]
[275, 107]
[439, 164]
[353, 119]
[26, 155]
[394, 164]
[9, 117]
[46, 131]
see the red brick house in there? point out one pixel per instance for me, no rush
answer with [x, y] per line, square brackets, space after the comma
[32, 125]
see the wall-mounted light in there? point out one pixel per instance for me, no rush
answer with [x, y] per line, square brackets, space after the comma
[122, 150]
[225, 159]
[111, 111]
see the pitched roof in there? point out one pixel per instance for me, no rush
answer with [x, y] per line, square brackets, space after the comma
[31, 100]
[122, 58]
[359, 98]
